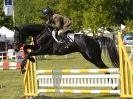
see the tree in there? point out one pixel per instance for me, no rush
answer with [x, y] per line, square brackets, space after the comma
[5, 20]
[123, 11]
[83, 13]
[98, 15]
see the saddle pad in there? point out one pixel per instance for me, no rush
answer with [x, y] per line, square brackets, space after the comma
[71, 36]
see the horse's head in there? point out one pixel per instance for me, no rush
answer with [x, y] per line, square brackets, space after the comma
[19, 39]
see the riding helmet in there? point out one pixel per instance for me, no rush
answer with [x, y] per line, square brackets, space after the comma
[47, 11]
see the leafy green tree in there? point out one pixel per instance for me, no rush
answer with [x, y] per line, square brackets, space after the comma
[98, 15]
[29, 11]
[123, 10]
[83, 13]
[5, 20]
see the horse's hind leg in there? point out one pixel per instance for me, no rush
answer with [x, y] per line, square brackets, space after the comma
[98, 62]
[95, 60]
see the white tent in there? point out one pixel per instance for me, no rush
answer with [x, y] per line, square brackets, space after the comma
[6, 31]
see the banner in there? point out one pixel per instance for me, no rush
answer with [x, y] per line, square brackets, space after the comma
[8, 7]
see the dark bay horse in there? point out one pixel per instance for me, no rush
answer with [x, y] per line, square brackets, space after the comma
[89, 47]
[23, 32]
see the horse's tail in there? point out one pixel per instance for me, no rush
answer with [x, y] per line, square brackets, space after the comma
[109, 45]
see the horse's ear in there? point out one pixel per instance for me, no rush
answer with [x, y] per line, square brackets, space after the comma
[16, 28]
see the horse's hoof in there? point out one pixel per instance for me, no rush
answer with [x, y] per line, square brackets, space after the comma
[32, 59]
[23, 71]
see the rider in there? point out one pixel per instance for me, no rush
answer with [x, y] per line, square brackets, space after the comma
[60, 23]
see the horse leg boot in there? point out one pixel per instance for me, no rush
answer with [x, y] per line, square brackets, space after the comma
[36, 52]
[25, 48]
[32, 47]
[23, 64]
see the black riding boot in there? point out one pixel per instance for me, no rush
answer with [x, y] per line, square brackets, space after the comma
[65, 40]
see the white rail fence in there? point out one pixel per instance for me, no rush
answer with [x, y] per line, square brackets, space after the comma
[70, 81]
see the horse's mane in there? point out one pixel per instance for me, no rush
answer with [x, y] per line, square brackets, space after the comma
[31, 28]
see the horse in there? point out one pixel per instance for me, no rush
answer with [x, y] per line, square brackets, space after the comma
[26, 30]
[90, 47]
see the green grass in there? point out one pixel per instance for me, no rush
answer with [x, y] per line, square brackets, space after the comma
[11, 81]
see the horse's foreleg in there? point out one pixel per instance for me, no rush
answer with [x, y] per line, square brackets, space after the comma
[25, 49]
[32, 53]
[31, 47]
